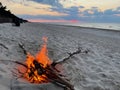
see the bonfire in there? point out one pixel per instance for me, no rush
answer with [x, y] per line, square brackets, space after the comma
[40, 69]
[37, 65]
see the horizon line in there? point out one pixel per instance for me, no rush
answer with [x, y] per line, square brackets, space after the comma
[50, 20]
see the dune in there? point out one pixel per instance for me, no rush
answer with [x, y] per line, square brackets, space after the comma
[99, 69]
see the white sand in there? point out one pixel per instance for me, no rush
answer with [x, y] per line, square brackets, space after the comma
[97, 70]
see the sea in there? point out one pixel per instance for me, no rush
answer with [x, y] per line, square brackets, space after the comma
[110, 26]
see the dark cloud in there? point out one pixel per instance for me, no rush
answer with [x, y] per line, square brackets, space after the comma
[81, 7]
[73, 13]
[111, 12]
[49, 2]
[94, 11]
[48, 17]
[118, 9]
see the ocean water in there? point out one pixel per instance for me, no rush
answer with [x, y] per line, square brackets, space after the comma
[112, 26]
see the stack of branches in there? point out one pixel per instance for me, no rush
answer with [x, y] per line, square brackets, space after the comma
[50, 71]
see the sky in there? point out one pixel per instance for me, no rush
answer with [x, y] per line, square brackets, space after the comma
[105, 11]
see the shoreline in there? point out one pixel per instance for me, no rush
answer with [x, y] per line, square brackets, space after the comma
[82, 27]
[88, 27]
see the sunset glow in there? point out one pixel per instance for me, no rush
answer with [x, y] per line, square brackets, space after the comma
[38, 20]
[65, 10]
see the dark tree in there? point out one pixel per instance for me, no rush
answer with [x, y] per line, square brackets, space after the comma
[6, 14]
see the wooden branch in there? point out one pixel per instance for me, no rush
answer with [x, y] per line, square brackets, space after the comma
[3, 46]
[70, 55]
[23, 48]
[20, 63]
[21, 74]
[55, 78]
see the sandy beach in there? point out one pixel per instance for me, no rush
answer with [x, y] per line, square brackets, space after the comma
[97, 70]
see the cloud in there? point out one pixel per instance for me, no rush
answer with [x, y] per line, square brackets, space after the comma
[94, 11]
[30, 7]
[93, 14]
[54, 10]
[49, 2]
[81, 7]
[118, 9]
[108, 15]
[49, 17]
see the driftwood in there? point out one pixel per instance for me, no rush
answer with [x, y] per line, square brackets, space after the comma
[23, 48]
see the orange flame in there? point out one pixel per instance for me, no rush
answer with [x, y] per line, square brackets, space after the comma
[40, 57]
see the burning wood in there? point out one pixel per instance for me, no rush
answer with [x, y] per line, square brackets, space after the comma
[40, 69]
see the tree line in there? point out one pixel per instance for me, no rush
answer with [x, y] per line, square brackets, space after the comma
[7, 14]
